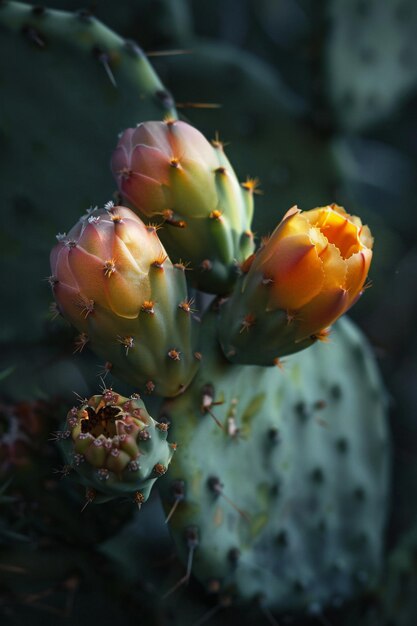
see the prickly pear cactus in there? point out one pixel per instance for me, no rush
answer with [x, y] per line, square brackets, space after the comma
[68, 78]
[282, 495]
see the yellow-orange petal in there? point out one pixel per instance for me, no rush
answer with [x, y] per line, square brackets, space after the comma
[357, 271]
[296, 271]
[335, 267]
[321, 312]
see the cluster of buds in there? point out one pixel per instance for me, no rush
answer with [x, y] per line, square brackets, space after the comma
[310, 271]
[169, 172]
[115, 446]
[113, 280]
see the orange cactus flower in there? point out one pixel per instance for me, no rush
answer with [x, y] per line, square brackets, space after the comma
[315, 264]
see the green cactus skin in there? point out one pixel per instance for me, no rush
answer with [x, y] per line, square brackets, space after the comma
[381, 53]
[250, 339]
[115, 447]
[217, 244]
[303, 455]
[85, 84]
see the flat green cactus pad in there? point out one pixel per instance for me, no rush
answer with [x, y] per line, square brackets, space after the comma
[70, 85]
[286, 502]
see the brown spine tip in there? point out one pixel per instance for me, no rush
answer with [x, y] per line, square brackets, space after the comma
[252, 185]
[159, 469]
[148, 307]
[174, 354]
[159, 262]
[150, 387]
[187, 306]
[138, 498]
[162, 426]
[220, 170]
[216, 215]
[198, 356]
[175, 162]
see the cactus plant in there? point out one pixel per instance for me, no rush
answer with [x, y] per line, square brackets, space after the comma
[276, 496]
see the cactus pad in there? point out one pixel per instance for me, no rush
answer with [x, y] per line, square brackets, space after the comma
[286, 502]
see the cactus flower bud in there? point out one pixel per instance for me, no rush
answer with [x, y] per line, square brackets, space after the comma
[310, 271]
[115, 446]
[113, 280]
[168, 171]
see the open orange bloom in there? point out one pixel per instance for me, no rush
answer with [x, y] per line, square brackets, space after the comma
[317, 262]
